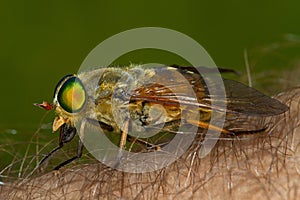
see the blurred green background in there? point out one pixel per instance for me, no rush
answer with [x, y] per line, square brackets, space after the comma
[41, 41]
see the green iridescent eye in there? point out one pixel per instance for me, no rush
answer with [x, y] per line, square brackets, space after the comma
[71, 96]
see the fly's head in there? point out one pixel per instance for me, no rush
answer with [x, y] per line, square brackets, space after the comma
[69, 100]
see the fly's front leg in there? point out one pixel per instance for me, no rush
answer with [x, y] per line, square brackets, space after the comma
[66, 134]
[66, 137]
[50, 154]
[79, 154]
[207, 126]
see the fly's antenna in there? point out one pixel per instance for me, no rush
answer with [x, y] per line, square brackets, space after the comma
[247, 67]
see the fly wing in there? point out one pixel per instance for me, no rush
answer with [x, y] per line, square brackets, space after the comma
[244, 109]
[250, 105]
[234, 121]
[246, 100]
[239, 99]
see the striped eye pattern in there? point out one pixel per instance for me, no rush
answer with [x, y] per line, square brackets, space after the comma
[70, 94]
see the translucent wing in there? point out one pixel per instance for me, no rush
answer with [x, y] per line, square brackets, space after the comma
[242, 102]
[246, 100]
[240, 99]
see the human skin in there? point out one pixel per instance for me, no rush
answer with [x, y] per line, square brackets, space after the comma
[257, 166]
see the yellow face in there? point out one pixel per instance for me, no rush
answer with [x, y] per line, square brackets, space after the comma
[69, 99]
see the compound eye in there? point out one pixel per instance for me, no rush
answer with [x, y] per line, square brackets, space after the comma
[72, 95]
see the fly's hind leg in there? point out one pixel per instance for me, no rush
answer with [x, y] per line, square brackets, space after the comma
[247, 132]
[205, 125]
[225, 131]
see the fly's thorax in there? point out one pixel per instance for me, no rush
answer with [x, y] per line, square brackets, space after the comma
[111, 92]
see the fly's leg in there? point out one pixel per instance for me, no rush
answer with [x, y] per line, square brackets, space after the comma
[205, 125]
[245, 132]
[80, 144]
[149, 146]
[122, 143]
[50, 154]
[109, 128]
[66, 134]
[124, 136]
[224, 131]
[79, 154]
